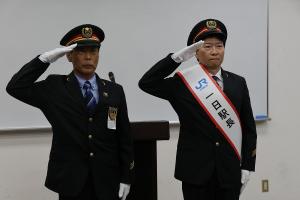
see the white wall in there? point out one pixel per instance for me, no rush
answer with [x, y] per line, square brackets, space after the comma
[131, 46]
[23, 156]
[23, 165]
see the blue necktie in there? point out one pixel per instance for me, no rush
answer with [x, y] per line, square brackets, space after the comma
[89, 98]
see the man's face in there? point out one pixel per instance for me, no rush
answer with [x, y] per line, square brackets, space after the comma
[211, 54]
[85, 60]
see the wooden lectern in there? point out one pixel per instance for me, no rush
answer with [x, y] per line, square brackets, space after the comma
[145, 135]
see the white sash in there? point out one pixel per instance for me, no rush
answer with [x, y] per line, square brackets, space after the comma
[215, 103]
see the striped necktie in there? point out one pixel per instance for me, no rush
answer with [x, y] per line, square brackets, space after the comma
[217, 81]
[89, 98]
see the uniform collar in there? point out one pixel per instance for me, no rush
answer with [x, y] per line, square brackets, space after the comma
[92, 80]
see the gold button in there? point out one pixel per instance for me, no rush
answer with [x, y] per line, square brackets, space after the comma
[90, 119]
[217, 144]
[90, 136]
[91, 154]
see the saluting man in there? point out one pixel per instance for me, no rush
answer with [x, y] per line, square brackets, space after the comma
[91, 154]
[217, 141]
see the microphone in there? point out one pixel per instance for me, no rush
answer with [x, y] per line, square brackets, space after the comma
[111, 77]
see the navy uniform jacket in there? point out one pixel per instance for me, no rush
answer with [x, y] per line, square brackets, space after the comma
[201, 149]
[82, 145]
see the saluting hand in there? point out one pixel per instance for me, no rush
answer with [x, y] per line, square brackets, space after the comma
[187, 52]
[53, 55]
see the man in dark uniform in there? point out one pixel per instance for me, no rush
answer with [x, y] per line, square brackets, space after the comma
[209, 163]
[91, 154]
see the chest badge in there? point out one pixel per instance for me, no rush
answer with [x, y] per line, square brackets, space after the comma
[112, 113]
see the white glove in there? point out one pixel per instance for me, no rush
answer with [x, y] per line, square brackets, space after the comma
[187, 52]
[124, 190]
[53, 55]
[245, 178]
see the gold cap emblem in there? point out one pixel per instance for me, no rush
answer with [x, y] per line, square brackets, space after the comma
[211, 24]
[87, 32]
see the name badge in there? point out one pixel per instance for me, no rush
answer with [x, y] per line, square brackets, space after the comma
[112, 118]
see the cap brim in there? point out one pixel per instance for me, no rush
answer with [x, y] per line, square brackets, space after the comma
[88, 43]
[219, 35]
